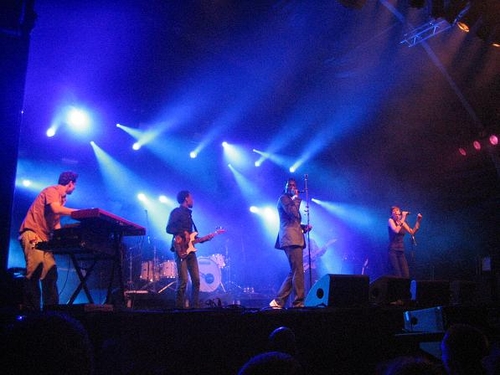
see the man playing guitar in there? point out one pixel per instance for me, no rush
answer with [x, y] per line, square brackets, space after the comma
[180, 225]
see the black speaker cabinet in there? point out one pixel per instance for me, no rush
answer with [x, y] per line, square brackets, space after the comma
[145, 300]
[389, 289]
[339, 291]
[440, 318]
[428, 293]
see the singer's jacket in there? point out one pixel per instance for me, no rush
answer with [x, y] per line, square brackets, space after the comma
[290, 231]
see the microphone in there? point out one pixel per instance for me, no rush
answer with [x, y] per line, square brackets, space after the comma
[407, 212]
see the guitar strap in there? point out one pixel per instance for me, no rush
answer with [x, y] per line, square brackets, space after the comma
[194, 225]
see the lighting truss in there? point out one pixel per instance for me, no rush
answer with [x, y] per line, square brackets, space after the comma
[424, 32]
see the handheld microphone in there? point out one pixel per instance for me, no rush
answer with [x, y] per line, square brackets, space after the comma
[407, 212]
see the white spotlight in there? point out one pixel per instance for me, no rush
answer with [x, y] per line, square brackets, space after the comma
[142, 197]
[193, 154]
[51, 131]
[78, 119]
[136, 146]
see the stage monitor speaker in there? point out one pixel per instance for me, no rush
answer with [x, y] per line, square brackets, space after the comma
[387, 290]
[146, 300]
[440, 318]
[428, 293]
[339, 291]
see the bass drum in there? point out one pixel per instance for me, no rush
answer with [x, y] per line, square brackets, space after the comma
[210, 275]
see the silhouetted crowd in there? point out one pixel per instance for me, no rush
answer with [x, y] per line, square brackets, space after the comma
[55, 343]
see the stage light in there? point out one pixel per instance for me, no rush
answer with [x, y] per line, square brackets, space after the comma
[493, 139]
[490, 33]
[471, 17]
[253, 209]
[77, 119]
[142, 197]
[26, 183]
[476, 145]
[51, 131]
[163, 199]
[193, 154]
[462, 151]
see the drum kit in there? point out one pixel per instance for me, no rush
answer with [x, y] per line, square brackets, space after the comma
[163, 270]
[163, 274]
[210, 272]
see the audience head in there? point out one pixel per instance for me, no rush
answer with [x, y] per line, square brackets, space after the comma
[462, 349]
[282, 339]
[407, 365]
[48, 343]
[272, 363]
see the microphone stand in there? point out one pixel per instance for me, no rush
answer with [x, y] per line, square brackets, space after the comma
[306, 189]
[413, 246]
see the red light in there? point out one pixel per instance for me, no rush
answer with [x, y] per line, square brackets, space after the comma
[476, 145]
[462, 151]
[493, 139]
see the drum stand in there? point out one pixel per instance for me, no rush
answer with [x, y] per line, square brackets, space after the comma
[130, 281]
[167, 286]
[227, 270]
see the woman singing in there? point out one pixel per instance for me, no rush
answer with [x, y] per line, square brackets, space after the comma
[398, 227]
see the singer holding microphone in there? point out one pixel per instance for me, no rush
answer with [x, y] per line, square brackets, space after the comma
[398, 227]
[292, 241]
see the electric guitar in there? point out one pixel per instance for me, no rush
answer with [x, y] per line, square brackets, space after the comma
[184, 245]
[316, 253]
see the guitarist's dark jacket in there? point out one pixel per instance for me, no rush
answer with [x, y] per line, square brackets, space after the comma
[180, 220]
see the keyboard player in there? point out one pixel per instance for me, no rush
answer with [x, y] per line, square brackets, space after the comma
[43, 217]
